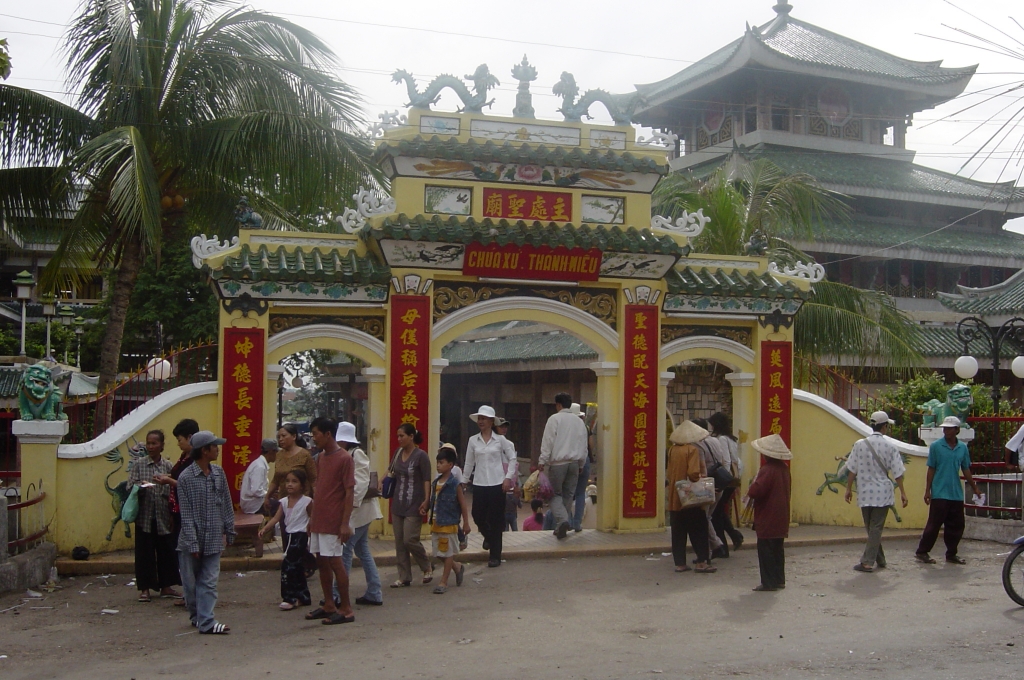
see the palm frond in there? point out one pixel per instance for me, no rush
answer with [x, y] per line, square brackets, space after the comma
[33, 198]
[38, 130]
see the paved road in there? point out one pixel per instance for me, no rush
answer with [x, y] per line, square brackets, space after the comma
[614, 617]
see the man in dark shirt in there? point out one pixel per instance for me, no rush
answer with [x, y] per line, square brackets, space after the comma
[329, 524]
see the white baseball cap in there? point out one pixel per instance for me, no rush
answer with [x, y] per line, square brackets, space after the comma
[879, 418]
[951, 421]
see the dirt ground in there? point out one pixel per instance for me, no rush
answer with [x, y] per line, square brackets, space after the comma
[610, 617]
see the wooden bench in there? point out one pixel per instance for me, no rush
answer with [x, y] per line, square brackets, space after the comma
[247, 528]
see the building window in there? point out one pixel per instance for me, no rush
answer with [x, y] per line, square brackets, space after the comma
[780, 118]
[750, 119]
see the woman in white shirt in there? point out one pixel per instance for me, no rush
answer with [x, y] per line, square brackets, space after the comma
[721, 518]
[491, 465]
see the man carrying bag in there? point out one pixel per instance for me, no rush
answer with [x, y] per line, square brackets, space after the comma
[869, 464]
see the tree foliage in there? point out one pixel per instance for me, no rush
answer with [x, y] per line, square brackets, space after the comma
[910, 394]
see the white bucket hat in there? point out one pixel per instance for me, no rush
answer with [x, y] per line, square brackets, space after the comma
[951, 421]
[346, 433]
[688, 432]
[773, 447]
[484, 411]
[575, 410]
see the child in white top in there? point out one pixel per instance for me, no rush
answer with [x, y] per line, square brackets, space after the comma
[293, 513]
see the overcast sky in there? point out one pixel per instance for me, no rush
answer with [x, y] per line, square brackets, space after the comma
[604, 44]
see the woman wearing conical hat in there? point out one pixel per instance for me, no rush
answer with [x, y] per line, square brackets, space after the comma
[770, 493]
[686, 462]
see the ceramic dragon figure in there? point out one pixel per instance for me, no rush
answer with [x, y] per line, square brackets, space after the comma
[620, 106]
[958, 403]
[473, 102]
[38, 398]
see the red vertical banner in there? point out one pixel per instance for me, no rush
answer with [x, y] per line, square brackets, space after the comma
[409, 372]
[777, 389]
[242, 405]
[640, 413]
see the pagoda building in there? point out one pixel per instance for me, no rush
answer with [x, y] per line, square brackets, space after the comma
[815, 102]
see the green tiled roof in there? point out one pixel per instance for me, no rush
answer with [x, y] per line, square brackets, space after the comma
[489, 152]
[686, 280]
[941, 341]
[1006, 298]
[806, 46]
[527, 347]
[330, 266]
[502, 232]
[10, 381]
[960, 242]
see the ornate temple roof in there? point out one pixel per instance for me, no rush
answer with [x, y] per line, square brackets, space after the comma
[317, 264]
[518, 348]
[502, 232]
[796, 46]
[1002, 299]
[691, 280]
[941, 341]
[507, 152]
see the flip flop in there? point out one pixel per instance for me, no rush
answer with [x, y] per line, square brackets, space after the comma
[705, 570]
[764, 589]
[179, 603]
[217, 629]
[172, 596]
[860, 567]
[956, 559]
[924, 558]
[459, 575]
[336, 618]
[317, 613]
[401, 584]
[428, 577]
[683, 568]
[145, 598]
[286, 606]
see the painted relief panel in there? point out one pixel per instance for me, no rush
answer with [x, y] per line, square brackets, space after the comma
[439, 125]
[501, 131]
[604, 209]
[447, 200]
[524, 173]
[304, 290]
[636, 265]
[423, 254]
[721, 305]
[608, 139]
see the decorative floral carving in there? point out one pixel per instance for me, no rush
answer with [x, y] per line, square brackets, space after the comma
[600, 305]
[814, 272]
[688, 224]
[740, 335]
[388, 120]
[371, 325]
[367, 205]
[659, 138]
[448, 300]
[203, 248]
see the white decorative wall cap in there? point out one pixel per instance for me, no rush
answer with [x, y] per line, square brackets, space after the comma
[605, 368]
[40, 431]
[659, 139]
[855, 424]
[438, 365]
[688, 224]
[812, 272]
[374, 374]
[274, 371]
[666, 377]
[741, 379]
[203, 248]
[367, 205]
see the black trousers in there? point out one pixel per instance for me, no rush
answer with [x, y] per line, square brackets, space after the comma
[721, 520]
[945, 515]
[692, 522]
[771, 557]
[294, 588]
[489, 515]
[156, 561]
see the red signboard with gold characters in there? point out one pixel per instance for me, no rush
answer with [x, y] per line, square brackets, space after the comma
[640, 411]
[409, 374]
[531, 262]
[777, 389]
[528, 205]
[242, 408]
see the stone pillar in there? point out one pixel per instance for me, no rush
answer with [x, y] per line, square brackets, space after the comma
[609, 444]
[274, 372]
[376, 438]
[38, 440]
[664, 378]
[744, 417]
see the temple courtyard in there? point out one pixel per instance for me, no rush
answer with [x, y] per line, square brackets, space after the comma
[575, 617]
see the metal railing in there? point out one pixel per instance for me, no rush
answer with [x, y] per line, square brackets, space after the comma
[26, 521]
[88, 417]
[1000, 483]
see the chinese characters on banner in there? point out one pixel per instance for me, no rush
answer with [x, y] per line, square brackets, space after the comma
[777, 389]
[409, 373]
[523, 204]
[532, 262]
[242, 409]
[640, 410]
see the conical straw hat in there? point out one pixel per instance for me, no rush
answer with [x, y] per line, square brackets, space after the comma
[688, 432]
[773, 447]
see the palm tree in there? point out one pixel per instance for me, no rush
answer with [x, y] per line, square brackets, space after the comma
[744, 198]
[181, 108]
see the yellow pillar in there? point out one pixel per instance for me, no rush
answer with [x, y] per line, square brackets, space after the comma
[38, 440]
[377, 437]
[744, 418]
[609, 444]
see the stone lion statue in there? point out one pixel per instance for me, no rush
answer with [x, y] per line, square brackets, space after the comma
[958, 403]
[38, 399]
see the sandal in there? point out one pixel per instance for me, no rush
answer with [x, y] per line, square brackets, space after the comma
[440, 590]
[317, 613]
[764, 589]
[337, 617]
[956, 559]
[683, 568]
[145, 598]
[428, 577]
[216, 629]
[459, 575]
[705, 570]
[173, 595]
[180, 603]
[924, 558]
[860, 567]
[286, 606]
[401, 584]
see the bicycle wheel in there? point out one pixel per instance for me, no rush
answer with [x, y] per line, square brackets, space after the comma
[1013, 575]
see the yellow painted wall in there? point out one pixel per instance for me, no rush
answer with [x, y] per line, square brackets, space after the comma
[84, 509]
[818, 439]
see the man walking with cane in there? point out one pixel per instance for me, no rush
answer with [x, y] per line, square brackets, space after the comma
[869, 464]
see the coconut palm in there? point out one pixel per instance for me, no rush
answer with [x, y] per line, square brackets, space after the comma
[182, 106]
[746, 198]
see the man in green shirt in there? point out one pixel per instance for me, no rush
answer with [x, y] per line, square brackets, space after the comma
[944, 494]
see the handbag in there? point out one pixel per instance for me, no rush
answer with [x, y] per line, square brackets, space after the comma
[371, 490]
[387, 487]
[130, 507]
[696, 494]
[722, 475]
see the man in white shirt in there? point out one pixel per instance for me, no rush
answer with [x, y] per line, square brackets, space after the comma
[563, 451]
[257, 479]
[869, 464]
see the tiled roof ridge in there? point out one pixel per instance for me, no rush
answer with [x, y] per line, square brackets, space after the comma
[708, 280]
[1006, 297]
[326, 264]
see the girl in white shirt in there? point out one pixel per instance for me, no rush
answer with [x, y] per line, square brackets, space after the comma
[293, 514]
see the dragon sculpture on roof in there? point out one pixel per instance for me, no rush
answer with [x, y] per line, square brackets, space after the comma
[483, 81]
[620, 106]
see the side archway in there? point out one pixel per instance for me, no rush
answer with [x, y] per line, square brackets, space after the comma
[361, 345]
[737, 357]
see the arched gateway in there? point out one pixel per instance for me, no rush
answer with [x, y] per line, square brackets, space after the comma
[498, 219]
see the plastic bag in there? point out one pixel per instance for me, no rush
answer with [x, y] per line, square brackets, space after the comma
[544, 490]
[696, 494]
[530, 486]
[130, 507]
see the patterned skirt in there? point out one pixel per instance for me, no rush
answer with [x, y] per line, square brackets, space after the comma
[293, 569]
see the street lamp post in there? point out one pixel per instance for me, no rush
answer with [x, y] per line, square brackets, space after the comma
[972, 328]
[24, 284]
[49, 311]
[79, 327]
[66, 317]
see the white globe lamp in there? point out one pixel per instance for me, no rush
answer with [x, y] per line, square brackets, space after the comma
[297, 382]
[1018, 367]
[966, 367]
[158, 369]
